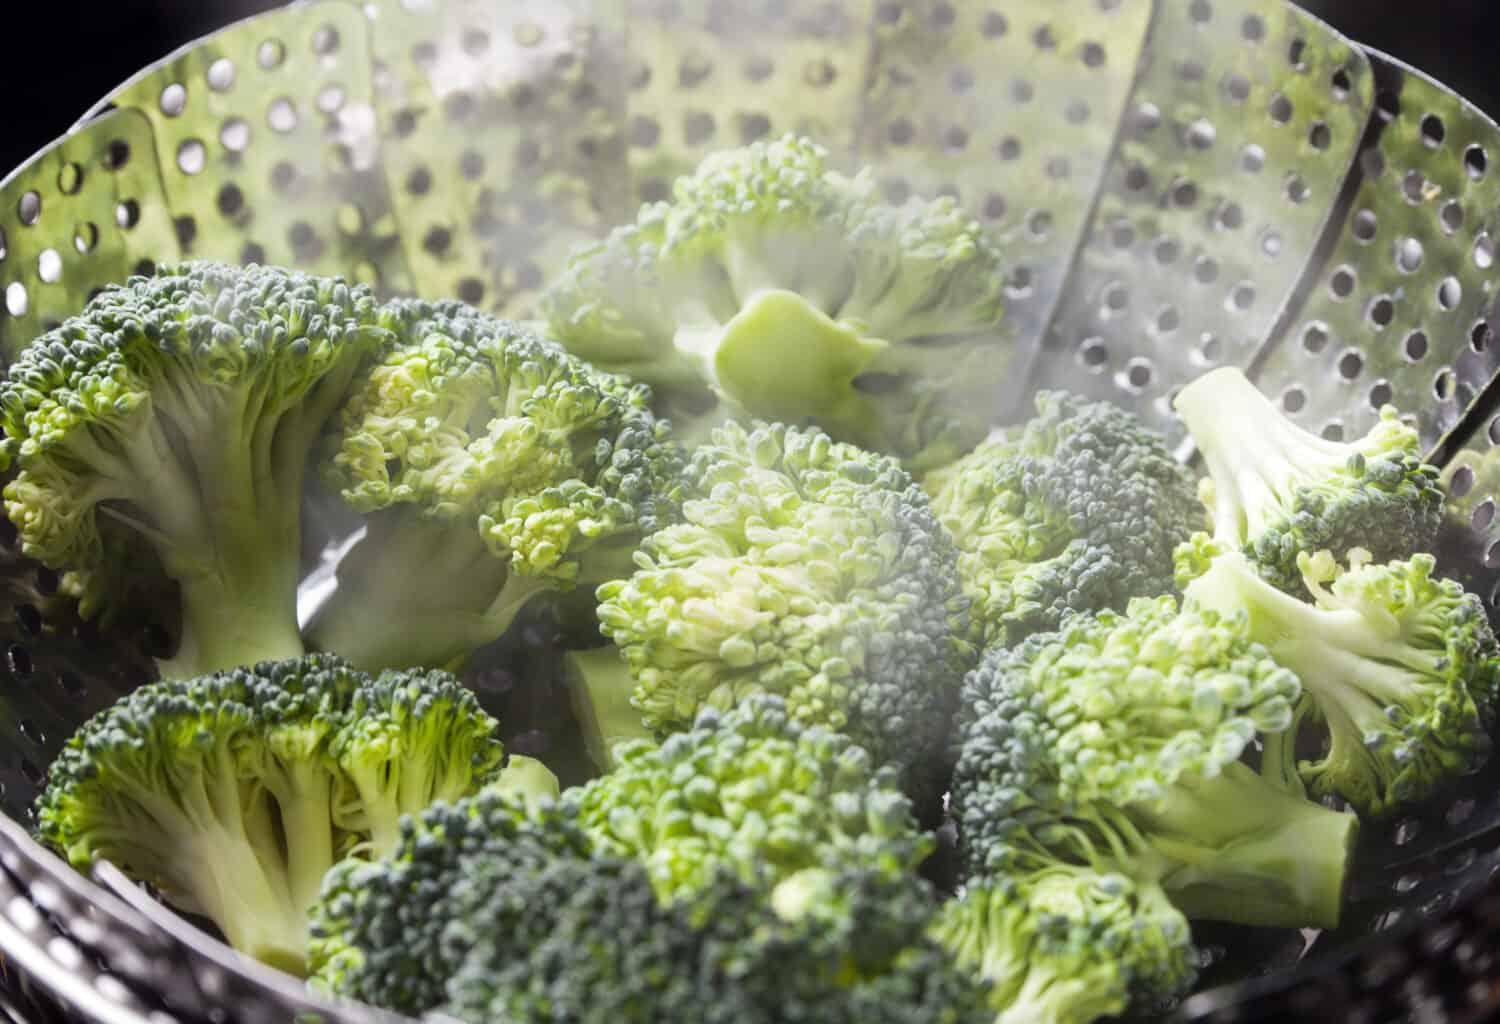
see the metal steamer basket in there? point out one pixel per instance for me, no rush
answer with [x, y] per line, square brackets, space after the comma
[1180, 184]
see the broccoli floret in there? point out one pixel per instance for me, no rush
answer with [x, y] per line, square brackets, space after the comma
[1078, 510]
[588, 941]
[1067, 944]
[493, 467]
[805, 568]
[382, 931]
[232, 793]
[184, 407]
[1122, 734]
[790, 292]
[1275, 491]
[600, 687]
[753, 791]
[1396, 666]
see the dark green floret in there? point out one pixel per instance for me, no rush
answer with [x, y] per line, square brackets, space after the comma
[235, 793]
[1080, 509]
[1275, 491]
[181, 409]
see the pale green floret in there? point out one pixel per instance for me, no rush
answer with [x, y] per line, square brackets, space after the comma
[790, 292]
[1067, 944]
[1397, 667]
[1277, 491]
[1077, 510]
[234, 794]
[1115, 744]
[492, 467]
[182, 409]
[752, 792]
[804, 568]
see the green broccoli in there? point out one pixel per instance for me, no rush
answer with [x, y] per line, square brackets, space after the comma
[381, 931]
[493, 467]
[235, 793]
[789, 292]
[1079, 509]
[804, 568]
[753, 791]
[1066, 944]
[1397, 667]
[1275, 491]
[600, 688]
[1115, 744]
[184, 408]
[588, 941]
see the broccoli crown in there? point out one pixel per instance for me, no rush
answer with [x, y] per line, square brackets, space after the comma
[749, 790]
[1114, 743]
[803, 568]
[1397, 666]
[229, 792]
[1066, 944]
[384, 932]
[792, 293]
[1078, 510]
[497, 466]
[590, 941]
[1277, 491]
[184, 406]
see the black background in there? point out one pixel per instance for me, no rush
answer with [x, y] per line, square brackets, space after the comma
[60, 57]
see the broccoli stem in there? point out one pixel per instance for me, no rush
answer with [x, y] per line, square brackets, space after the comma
[1236, 848]
[416, 592]
[1255, 456]
[235, 618]
[600, 686]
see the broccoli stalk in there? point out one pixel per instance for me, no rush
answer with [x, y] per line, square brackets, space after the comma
[416, 592]
[1235, 848]
[1395, 665]
[600, 687]
[235, 794]
[1277, 490]
[184, 407]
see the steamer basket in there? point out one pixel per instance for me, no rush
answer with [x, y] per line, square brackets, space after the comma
[1181, 184]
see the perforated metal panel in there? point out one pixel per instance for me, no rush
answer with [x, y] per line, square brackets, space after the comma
[265, 135]
[88, 210]
[1171, 180]
[1017, 121]
[1236, 140]
[1400, 310]
[501, 128]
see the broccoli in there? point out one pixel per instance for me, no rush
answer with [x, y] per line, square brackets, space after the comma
[184, 407]
[753, 791]
[588, 941]
[1275, 491]
[805, 568]
[1114, 743]
[1066, 944]
[1397, 667]
[1079, 509]
[233, 795]
[790, 292]
[600, 686]
[380, 931]
[493, 467]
